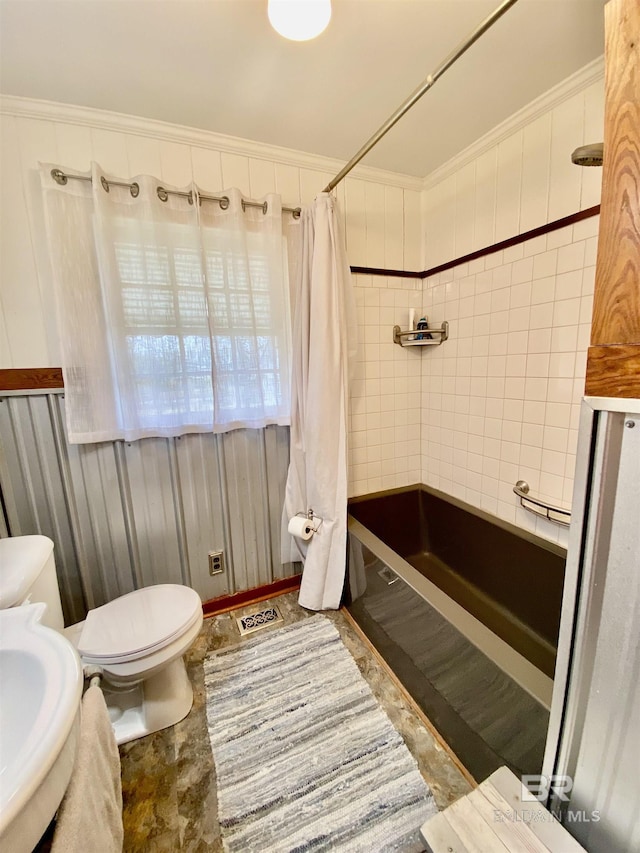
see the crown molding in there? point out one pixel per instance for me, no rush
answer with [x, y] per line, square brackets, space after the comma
[152, 128]
[577, 82]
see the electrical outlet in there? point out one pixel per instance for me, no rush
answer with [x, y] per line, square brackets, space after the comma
[216, 562]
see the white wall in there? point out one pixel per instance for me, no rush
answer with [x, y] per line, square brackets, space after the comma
[500, 399]
[382, 209]
[519, 176]
[416, 414]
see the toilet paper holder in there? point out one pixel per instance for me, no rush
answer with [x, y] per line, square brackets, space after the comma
[315, 521]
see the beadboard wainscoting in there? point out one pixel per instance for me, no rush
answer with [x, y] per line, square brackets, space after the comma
[381, 210]
[126, 515]
[519, 175]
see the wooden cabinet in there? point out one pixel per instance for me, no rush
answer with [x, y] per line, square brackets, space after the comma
[613, 362]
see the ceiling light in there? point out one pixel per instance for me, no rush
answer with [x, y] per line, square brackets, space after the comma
[299, 20]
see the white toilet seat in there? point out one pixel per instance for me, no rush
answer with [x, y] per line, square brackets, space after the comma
[120, 675]
[139, 625]
[137, 640]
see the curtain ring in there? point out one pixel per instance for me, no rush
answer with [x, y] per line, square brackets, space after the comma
[224, 202]
[134, 189]
[190, 197]
[163, 195]
[105, 183]
[265, 207]
[59, 176]
[297, 211]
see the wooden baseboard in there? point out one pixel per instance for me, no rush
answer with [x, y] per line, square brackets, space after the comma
[225, 603]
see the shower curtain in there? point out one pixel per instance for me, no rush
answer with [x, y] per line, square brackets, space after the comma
[324, 347]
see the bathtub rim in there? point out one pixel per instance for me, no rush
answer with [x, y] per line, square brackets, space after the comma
[510, 661]
[521, 532]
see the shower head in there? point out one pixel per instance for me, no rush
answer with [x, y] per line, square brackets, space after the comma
[588, 155]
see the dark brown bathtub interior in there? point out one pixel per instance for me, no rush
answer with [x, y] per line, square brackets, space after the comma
[509, 582]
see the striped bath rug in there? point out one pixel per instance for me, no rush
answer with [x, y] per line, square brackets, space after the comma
[305, 758]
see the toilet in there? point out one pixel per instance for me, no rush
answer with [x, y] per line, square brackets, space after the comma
[136, 642]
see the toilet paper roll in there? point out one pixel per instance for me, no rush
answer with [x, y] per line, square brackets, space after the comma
[301, 527]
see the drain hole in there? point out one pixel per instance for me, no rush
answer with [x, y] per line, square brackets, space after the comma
[388, 576]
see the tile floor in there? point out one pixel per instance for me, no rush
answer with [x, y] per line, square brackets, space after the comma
[169, 781]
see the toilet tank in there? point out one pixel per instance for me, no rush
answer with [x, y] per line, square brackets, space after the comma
[28, 575]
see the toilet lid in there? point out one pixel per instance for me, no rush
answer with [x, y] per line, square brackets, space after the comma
[143, 620]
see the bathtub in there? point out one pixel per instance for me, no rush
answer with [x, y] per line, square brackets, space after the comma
[465, 608]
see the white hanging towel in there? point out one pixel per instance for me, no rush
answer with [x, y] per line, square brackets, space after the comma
[324, 348]
[90, 816]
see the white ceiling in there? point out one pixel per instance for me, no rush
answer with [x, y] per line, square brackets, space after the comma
[218, 65]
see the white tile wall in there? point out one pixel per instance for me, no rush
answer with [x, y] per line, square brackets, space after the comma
[500, 398]
[385, 427]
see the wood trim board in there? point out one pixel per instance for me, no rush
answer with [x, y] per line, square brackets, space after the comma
[616, 301]
[613, 371]
[31, 378]
[225, 603]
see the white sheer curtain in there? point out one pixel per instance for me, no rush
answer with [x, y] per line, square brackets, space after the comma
[324, 348]
[173, 315]
[248, 297]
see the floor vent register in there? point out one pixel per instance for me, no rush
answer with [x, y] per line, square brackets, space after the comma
[262, 619]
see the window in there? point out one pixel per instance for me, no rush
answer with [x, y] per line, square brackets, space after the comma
[184, 314]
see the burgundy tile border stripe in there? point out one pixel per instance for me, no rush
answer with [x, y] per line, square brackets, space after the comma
[519, 238]
[36, 378]
[488, 250]
[389, 273]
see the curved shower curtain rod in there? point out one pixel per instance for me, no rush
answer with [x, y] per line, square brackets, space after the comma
[420, 91]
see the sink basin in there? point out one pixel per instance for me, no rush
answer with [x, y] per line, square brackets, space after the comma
[40, 692]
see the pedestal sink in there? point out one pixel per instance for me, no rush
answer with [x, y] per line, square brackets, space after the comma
[40, 692]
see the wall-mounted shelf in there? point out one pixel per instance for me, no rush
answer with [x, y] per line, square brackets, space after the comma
[411, 339]
[553, 513]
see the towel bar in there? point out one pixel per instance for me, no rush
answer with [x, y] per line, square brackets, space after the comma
[553, 513]
[93, 674]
